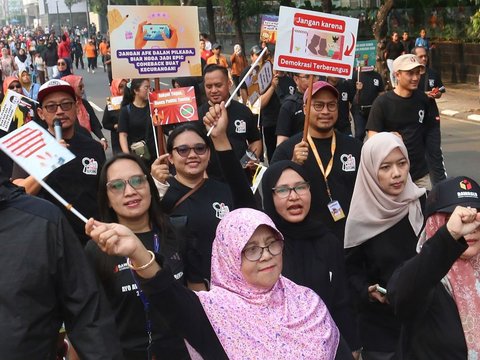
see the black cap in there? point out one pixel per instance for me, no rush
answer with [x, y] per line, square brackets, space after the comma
[450, 193]
[255, 50]
[216, 46]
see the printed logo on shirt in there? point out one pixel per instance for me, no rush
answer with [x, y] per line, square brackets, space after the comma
[291, 90]
[431, 83]
[240, 126]
[90, 166]
[120, 267]
[220, 210]
[344, 96]
[178, 275]
[348, 162]
[131, 287]
[421, 115]
[376, 82]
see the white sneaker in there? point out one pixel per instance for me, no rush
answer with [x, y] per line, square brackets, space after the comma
[93, 71]
[88, 69]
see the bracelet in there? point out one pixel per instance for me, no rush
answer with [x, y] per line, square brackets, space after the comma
[103, 139]
[143, 267]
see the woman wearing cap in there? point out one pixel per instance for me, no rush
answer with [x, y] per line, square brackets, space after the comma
[381, 232]
[217, 58]
[436, 294]
[251, 311]
[85, 114]
[110, 116]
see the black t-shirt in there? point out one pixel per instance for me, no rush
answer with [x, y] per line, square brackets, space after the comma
[76, 181]
[394, 49]
[291, 117]
[372, 87]
[286, 87]
[433, 80]
[126, 301]
[341, 179]
[269, 111]
[345, 98]
[410, 117]
[136, 122]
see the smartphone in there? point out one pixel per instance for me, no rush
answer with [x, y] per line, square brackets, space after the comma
[381, 290]
[154, 32]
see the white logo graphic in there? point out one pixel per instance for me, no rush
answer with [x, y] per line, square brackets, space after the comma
[240, 126]
[344, 96]
[348, 162]
[90, 166]
[376, 82]
[431, 83]
[220, 210]
[421, 115]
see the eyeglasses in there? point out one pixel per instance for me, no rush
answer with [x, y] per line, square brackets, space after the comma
[254, 253]
[65, 106]
[184, 150]
[331, 106]
[284, 191]
[14, 86]
[119, 185]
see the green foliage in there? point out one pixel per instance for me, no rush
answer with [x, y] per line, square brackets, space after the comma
[70, 3]
[473, 30]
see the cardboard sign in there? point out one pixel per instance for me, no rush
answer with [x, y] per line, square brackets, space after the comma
[315, 43]
[173, 106]
[268, 29]
[154, 41]
[9, 106]
[259, 81]
[114, 103]
[35, 150]
[366, 54]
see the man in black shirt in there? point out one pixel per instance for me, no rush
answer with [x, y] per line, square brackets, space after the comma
[330, 158]
[409, 112]
[77, 180]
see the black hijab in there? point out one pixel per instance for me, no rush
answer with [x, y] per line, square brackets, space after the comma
[309, 246]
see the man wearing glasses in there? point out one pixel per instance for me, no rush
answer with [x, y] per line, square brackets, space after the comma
[77, 180]
[330, 157]
[409, 112]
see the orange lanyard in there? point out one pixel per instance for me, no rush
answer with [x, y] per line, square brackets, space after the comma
[326, 172]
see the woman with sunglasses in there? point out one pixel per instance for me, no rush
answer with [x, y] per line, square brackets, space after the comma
[127, 195]
[110, 114]
[134, 122]
[64, 68]
[86, 116]
[312, 255]
[251, 311]
[381, 233]
[190, 193]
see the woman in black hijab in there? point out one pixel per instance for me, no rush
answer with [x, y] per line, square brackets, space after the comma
[312, 255]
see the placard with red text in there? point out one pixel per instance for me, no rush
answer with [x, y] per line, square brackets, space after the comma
[173, 106]
[315, 43]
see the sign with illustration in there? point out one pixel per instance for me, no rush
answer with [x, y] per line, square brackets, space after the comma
[366, 54]
[173, 106]
[154, 41]
[268, 30]
[316, 43]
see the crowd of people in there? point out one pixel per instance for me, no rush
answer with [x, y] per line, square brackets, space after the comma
[356, 245]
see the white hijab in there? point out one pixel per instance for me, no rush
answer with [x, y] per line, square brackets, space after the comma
[371, 210]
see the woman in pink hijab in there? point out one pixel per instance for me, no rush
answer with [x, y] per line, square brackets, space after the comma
[436, 294]
[251, 311]
[86, 116]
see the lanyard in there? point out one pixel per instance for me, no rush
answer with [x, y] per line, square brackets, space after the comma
[326, 172]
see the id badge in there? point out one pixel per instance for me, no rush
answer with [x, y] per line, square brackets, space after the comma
[336, 210]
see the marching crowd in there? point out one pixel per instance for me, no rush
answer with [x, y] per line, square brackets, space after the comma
[356, 244]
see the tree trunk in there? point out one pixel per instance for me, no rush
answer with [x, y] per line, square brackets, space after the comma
[237, 23]
[379, 31]
[211, 22]
[327, 6]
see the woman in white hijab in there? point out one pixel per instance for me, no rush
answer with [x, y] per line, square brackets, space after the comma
[381, 232]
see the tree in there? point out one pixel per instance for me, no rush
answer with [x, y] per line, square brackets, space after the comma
[379, 31]
[237, 23]
[69, 4]
[327, 6]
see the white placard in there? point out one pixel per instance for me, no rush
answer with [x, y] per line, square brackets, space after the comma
[9, 105]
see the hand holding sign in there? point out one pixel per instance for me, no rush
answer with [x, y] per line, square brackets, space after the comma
[160, 169]
[217, 120]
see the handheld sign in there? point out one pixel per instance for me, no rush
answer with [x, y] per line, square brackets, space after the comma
[114, 103]
[365, 55]
[268, 29]
[315, 43]
[173, 106]
[259, 81]
[9, 107]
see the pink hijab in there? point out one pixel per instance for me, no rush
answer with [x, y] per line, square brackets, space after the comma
[286, 322]
[82, 114]
[464, 280]
[114, 87]
[371, 210]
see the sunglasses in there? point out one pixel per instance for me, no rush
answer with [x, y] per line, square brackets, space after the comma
[65, 106]
[61, 64]
[184, 150]
[119, 185]
[15, 86]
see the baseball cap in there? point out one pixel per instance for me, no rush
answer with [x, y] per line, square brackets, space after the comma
[450, 193]
[216, 46]
[319, 85]
[406, 62]
[55, 85]
[255, 50]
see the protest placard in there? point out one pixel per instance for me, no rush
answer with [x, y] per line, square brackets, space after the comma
[268, 29]
[258, 81]
[315, 43]
[173, 106]
[366, 54]
[114, 103]
[9, 106]
[35, 150]
[154, 41]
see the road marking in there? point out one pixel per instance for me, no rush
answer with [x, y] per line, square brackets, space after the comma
[95, 106]
[474, 117]
[449, 112]
[161, 82]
